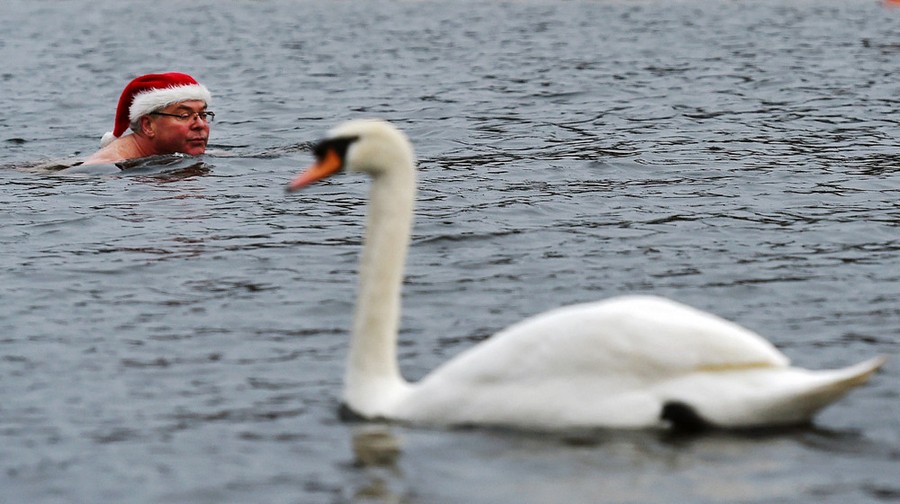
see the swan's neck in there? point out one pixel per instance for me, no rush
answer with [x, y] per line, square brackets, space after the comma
[373, 379]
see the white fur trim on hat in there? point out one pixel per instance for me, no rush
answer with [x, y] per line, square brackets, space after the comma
[153, 100]
[107, 139]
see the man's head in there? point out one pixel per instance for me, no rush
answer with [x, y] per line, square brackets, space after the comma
[168, 108]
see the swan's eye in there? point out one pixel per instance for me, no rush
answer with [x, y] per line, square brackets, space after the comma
[338, 145]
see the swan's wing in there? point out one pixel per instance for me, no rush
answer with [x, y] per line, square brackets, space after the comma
[589, 360]
[648, 337]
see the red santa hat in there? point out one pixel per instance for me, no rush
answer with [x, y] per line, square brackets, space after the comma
[151, 92]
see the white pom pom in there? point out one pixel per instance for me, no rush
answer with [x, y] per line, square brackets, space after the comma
[106, 139]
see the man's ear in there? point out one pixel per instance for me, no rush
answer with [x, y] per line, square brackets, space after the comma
[147, 126]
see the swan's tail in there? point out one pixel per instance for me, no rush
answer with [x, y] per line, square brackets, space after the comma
[766, 397]
[854, 376]
[836, 383]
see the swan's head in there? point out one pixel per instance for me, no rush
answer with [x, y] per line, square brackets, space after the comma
[371, 146]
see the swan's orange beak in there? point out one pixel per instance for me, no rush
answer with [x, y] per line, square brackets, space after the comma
[328, 165]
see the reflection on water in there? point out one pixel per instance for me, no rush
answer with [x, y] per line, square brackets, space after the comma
[168, 167]
[375, 446]
[609, 466]
[376, 452]
[170, 172]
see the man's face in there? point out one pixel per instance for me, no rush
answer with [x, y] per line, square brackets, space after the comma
[172, 134]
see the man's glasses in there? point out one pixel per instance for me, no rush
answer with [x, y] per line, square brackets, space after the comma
[205, 116]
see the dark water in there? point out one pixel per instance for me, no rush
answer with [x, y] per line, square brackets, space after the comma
[176, 332]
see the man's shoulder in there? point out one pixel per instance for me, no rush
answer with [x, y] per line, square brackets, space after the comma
[118, 150]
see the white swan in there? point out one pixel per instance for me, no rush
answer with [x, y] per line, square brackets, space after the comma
[628, 362]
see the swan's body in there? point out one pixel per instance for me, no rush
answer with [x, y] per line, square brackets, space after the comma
[629, 362]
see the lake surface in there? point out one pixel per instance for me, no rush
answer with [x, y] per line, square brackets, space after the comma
[176, 332]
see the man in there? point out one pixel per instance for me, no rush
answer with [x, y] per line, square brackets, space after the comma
[166, 114]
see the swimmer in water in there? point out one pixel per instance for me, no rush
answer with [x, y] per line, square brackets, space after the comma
[166, 114]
